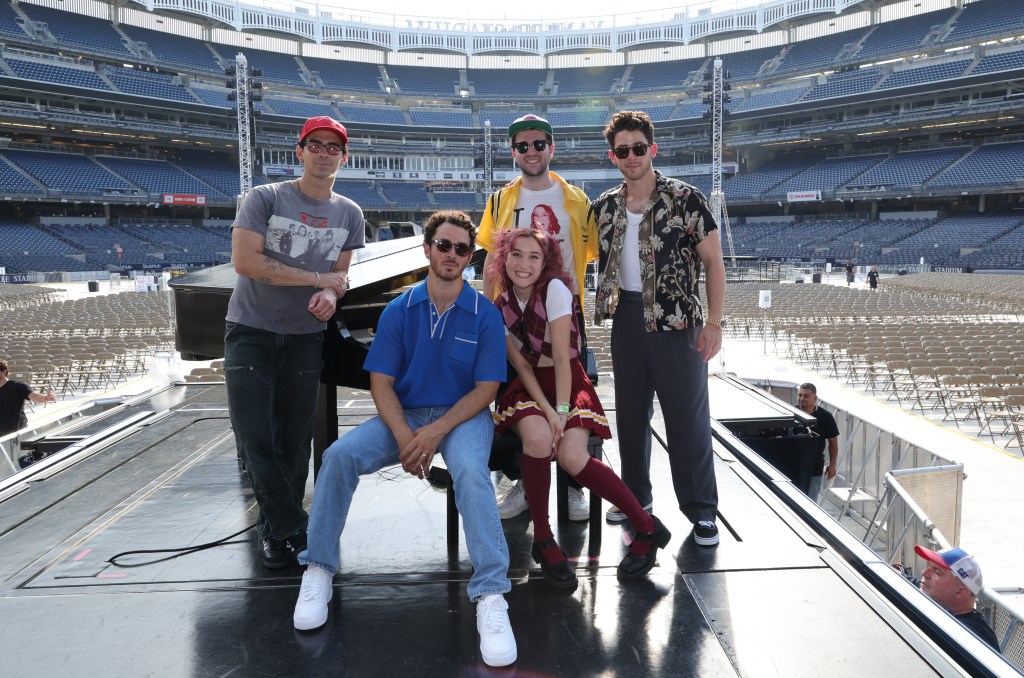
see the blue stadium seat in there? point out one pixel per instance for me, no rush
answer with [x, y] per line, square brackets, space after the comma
[901, 36]
[948, 70]
[158, 176]
[176, 51]
[989, 17]
[506, 83]
[300, 108]
[989, 165]
[80, 32]
[153, 85]
[381, 114]
[437, 82]
[346, 76]
[52, 72]
[70, 173]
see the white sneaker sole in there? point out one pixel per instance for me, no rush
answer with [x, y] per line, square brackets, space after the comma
[500, 660]
[310, 624]
[705, 541]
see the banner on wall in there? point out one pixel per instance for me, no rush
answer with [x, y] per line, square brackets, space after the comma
[803, 196]
[183, 199]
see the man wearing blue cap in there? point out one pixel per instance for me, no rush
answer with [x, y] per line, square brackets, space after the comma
[952, 579]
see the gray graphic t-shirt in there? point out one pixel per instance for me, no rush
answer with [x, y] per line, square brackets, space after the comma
[300, 232]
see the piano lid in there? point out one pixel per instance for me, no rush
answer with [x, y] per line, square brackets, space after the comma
[201, 298]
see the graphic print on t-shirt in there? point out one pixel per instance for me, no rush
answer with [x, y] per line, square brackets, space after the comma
[308, 241]
[544, 211]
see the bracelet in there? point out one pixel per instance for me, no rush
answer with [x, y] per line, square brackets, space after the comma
[717, 322]
[562, 408]
[317, 283]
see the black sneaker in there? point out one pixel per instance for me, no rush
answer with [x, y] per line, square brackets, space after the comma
[705, 533]
[298, 542]
[275, 553]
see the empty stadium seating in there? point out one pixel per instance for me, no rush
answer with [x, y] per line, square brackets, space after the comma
[991, 164]
[505, 84]
[433, 117]
[79, 32]
[55, 72]
[845, 84]
[947, 70]
[657, 76]
[827, 175]
[172, 50]
[905, 170]
[986, 18]
[156, 85]
[346, 76]
[300, 108]
[160, 177]
[901, 36]
[423, 80]
[70, 173]
[384, 115]
[14, 182]
[586, 81]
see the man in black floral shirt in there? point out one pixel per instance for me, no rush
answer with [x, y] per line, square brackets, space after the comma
[655, 233]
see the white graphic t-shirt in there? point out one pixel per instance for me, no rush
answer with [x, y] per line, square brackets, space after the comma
[545, 211]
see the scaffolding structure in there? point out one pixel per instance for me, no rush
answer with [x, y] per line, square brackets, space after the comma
[717, 98]
[488, 158]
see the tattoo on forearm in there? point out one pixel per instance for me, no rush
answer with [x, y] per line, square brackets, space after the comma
[266, 280]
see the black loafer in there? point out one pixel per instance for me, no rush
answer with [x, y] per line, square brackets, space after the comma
[275, 553]
[634, 566]
[559, 575]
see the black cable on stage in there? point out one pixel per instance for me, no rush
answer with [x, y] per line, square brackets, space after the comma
[178, 551]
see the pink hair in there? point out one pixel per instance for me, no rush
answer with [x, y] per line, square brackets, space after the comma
[549, 248]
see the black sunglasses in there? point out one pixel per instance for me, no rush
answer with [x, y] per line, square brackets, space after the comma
[639, 150]
[538, 145]
[445, 246]
[314, 147]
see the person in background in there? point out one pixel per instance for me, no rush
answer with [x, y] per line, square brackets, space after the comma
[13, 395]
[953, 580]
[848, 267]
[274, 330]
[538, 198]
[828, 434]
[551, 404]
[873, 278]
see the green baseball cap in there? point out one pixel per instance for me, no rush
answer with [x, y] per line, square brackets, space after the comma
[530, 121]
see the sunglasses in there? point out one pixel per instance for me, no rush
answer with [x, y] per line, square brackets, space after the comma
[538, 145]
[315, 147]
[445, 246]
[639, 150]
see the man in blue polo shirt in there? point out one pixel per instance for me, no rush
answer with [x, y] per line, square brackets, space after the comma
[435, 365]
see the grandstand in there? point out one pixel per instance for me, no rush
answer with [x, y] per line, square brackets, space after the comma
[838, 122]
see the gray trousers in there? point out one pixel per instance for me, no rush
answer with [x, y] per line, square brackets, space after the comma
[666, 363]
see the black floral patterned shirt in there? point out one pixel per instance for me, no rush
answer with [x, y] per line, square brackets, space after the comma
[675, 221]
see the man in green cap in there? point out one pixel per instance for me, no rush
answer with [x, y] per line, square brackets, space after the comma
[540, 199]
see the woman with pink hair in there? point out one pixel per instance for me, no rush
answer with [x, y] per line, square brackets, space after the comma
[551, 405]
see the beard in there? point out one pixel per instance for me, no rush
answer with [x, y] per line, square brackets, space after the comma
[439, 270]
[534, 170]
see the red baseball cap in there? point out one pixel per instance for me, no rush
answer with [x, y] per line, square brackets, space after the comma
[323, 122]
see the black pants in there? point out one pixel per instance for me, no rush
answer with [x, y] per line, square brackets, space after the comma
[669, 365]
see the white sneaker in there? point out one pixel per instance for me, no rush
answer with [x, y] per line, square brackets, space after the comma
[579, 509]
[497, 643]
[615, 515]
[311, 607]
[514, 502]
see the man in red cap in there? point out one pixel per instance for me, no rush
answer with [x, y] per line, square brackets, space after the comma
[952, 579]
[287, 289]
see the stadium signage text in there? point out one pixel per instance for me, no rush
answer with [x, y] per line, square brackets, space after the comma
[803, 196]
[184, 199]
[462, 26]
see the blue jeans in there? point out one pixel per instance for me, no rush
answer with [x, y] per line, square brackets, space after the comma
[370, 447]
[814, 489]
[272, 382]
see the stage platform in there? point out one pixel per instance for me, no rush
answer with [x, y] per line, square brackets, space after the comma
[780, 596]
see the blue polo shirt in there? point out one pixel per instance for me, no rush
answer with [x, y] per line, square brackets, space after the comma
[436, 360]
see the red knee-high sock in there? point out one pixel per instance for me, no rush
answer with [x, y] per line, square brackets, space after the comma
[537, 483]
[598, 477]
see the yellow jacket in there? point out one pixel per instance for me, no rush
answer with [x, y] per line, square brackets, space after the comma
[582, 226]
